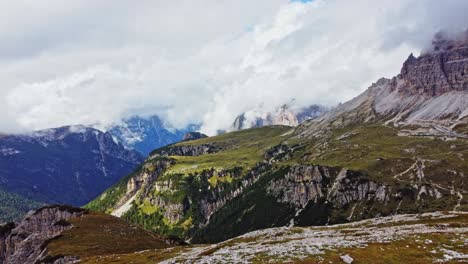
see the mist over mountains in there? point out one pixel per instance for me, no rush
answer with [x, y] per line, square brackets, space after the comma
[273, 131]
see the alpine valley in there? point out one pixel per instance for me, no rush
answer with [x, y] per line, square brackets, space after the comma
[378, 179]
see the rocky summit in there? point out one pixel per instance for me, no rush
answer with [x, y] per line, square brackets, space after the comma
[429, 96]
[283, 115]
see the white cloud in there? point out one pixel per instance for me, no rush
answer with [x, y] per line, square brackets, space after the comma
[86, 62]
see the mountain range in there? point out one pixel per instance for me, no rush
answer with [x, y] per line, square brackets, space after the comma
[67, 165]
[146, 134]
[392, 161]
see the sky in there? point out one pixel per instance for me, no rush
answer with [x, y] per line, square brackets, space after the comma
[207, 61]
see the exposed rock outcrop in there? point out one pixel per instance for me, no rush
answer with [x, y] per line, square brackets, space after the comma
[26, 241]
[339, 188]
[437, 72]
[193, 136]
[301, 185]
[141, 182]
[431, 89]
[185, 150]
[311, 183]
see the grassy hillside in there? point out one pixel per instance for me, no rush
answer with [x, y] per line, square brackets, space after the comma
[381, 153]
[96, 234]
[229, 187]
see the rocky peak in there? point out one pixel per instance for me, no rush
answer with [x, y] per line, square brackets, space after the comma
[442, 70]
[193, 136]
[284, 115]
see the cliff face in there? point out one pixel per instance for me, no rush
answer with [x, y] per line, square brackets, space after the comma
[437, 72]
[184, 150]
[431, 90]
[26, 241]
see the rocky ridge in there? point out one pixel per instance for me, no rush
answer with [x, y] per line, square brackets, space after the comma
[26, 241]
[193, 136]
[431, 92]
[283, 115]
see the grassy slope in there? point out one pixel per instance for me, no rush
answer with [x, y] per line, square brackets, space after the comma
[381, 153]
[252, 210]
[374, 150]
[239, 149]
[97, 234]
[377, 152]
[239, 152]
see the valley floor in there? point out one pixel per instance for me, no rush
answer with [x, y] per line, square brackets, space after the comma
[440, 237]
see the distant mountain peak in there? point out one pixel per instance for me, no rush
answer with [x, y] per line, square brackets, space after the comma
[146, 134]
[193, 136]
[69, 164]
[282, 115]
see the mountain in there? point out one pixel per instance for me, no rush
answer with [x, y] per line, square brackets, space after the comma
[71, 165]
[400, 147]
[283, 115]
[147, 134]
[430, 93]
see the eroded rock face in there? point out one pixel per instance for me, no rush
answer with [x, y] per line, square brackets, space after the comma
[26, 241]
[301, 185]
[443, 70]
[187, 150]
[193, 136]
[304, 184]
[208, 201]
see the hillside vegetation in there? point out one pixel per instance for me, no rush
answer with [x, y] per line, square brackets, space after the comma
[226, 182]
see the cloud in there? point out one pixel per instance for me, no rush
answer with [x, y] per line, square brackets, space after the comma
[88, 62]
